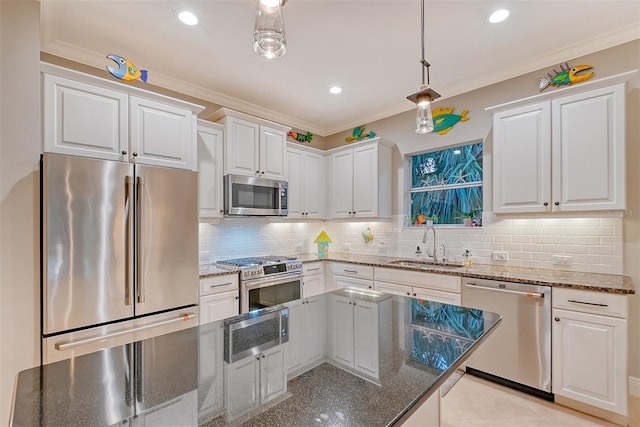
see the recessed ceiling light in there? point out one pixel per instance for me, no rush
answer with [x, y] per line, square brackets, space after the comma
[335, 90]
[188, 18]
[499, 16]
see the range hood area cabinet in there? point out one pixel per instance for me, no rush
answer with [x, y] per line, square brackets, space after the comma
[88, 116]
[306, 172]
[561, 155]
[252, 146]
[360, 180]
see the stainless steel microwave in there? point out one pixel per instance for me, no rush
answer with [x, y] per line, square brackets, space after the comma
[247, 195]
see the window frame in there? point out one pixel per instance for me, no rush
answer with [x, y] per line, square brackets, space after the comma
[409, 190]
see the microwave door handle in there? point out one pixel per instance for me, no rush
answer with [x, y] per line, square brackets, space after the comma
[279, 197]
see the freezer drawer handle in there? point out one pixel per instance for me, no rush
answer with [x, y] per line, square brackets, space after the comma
[508, 291]
[588, 303]
[67, 345]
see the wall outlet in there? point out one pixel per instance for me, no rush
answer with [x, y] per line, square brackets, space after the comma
[562, 259]
[382, 248]
[346, 247]
[501, 256]
[298, 248]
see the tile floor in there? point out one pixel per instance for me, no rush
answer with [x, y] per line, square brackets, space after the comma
[475, 402]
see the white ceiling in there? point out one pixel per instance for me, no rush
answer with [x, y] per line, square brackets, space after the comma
[370, 48]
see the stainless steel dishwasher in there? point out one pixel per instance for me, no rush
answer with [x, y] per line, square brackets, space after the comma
[518, 353]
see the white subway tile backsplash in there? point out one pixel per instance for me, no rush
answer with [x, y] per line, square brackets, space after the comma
[530, 242]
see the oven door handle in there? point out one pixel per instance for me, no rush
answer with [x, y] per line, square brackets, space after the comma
[264, 282]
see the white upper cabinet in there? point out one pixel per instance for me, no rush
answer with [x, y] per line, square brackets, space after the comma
[563, 155]
[522, 159]
[253, 146]
[89, 116]
[306, 176]
[210, 169]
[361, 181]
[588, 151]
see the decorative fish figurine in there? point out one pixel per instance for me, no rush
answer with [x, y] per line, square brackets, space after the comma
[566, 76]
[126, 70]
[301, 137]
[444, 120]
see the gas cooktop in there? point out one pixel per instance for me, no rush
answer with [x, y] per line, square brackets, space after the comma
[258, 267]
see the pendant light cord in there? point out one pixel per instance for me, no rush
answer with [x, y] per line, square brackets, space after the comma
[424, 63]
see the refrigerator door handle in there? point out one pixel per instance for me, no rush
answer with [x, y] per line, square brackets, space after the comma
[140, 238]
[128, 206]
[67, 345]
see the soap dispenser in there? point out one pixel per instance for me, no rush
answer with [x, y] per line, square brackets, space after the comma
[467, 262]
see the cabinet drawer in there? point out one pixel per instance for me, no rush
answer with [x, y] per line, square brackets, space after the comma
[437, 296]
[313, 268]
[591, 302]
[419, 279]
[352, 270]
[217, 284]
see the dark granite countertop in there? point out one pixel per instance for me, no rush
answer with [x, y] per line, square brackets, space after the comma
[181, 378]
[611, 283]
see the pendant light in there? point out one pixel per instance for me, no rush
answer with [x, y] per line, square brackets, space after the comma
[268, 36]
[425, 95]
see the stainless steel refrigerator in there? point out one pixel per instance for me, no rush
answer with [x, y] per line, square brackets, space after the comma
[119, 253]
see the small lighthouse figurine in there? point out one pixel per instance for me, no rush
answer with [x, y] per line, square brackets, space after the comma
[323, 241]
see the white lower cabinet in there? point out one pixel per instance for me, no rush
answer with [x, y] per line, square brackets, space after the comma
[255, 380]
[589, 350]
[219, 298]
[360, 335]
[314, 280]
[429, 286]
[351, 275]
[306, 346]
[210, 373]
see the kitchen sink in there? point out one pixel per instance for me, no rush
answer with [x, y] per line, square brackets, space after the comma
[425, 264]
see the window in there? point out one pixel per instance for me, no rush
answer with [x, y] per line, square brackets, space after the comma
[446, 185]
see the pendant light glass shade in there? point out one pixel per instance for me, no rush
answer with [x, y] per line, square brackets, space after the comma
[268, 38]
[424, 117]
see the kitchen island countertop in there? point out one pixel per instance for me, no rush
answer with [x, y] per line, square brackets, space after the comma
[611, 283]
[181, 377]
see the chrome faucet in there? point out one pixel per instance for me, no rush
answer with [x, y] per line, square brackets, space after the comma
[433, 253]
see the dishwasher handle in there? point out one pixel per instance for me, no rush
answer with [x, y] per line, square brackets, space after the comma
[536, 295]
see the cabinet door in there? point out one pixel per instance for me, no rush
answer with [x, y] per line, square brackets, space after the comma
[314, 320]
[210, 372]
[588, 150]
[589, 359]
[273, 377]
[210, 168]
[219, 306]
[161, 135]
[343, 330]
[241, 386]
[342, 184]
[366, 337]
[314, 185]
[522, 159]
[365, 181]
[272, 153]
[242, 147]
[84, 120]
[295, 347]
[312, 285]
[295, 177]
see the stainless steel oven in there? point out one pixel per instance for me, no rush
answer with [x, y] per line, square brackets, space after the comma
[267, 281]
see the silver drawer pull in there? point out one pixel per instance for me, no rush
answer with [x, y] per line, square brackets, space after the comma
[67, 345]
[313, 269]
[588, 303]
[536, 295]
[222, 284]
[351, 271]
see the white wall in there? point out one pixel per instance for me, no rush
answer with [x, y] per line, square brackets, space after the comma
[19, 193]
